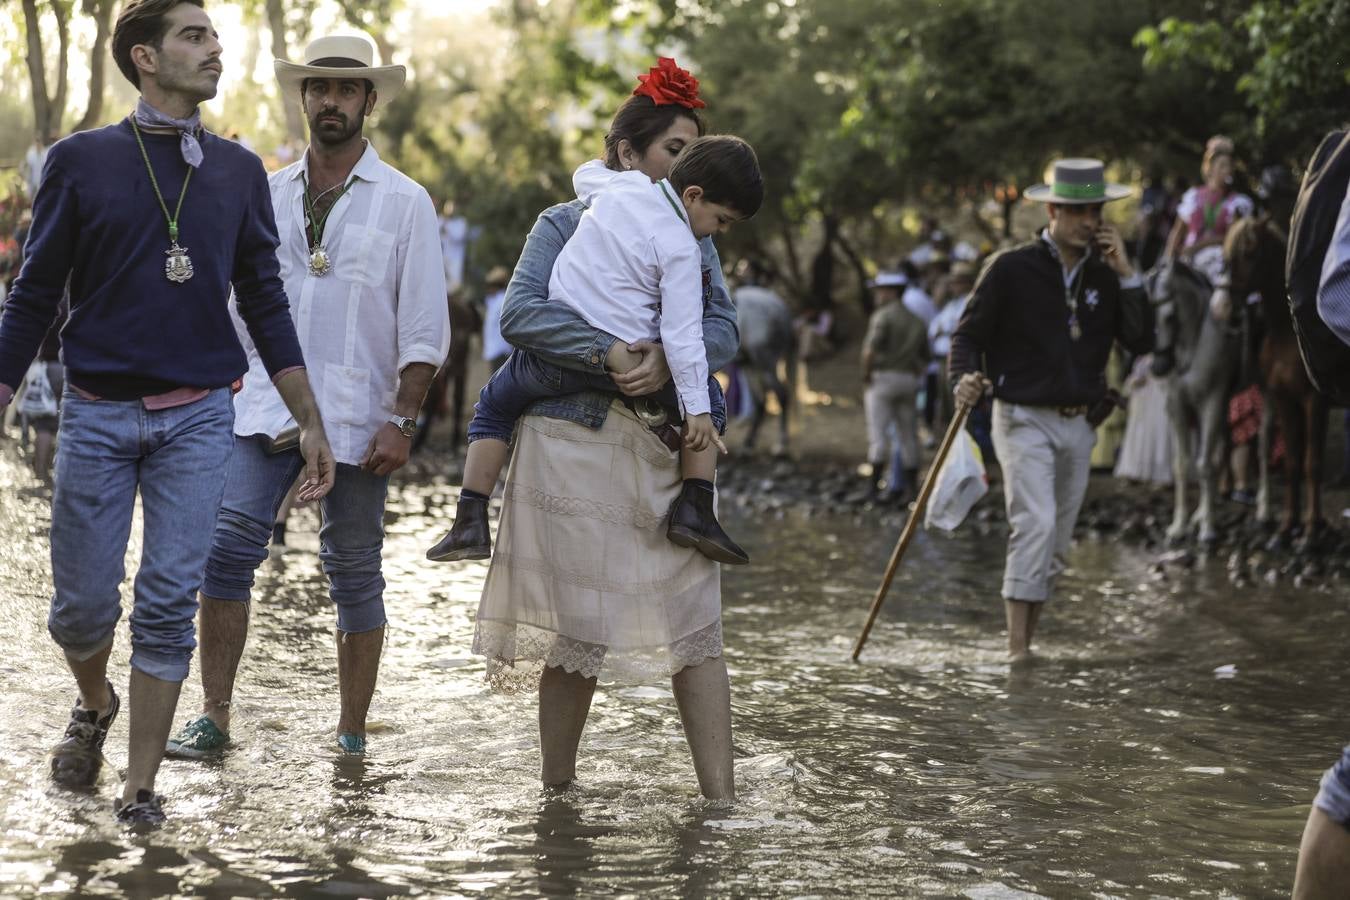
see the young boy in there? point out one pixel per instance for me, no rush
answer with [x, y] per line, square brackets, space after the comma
[633, 269]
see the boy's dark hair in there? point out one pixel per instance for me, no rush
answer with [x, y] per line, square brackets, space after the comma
[726, 168]
[640, 121]
[142, 22]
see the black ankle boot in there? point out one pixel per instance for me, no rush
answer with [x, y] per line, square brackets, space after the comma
[469, 538]
[694, 524]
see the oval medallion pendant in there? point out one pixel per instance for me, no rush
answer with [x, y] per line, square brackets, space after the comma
[319, 263]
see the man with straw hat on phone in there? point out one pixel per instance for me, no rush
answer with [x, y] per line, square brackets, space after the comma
[1036, 333]
[361, 258]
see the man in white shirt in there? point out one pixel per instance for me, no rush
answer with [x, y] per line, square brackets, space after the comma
[360, 257]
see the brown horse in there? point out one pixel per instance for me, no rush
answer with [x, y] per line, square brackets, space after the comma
[465, 322]
[1254, 251]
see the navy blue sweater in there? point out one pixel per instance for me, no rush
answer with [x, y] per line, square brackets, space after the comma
[131, 331]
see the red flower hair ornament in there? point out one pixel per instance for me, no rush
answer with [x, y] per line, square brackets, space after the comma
[667, 83]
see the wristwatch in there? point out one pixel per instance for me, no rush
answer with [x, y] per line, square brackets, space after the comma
[406, 426]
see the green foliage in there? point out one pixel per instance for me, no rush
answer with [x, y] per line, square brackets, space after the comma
[862, 111]
[1285, 59]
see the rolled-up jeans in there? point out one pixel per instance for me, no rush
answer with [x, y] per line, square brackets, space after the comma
[351, 538]
[176, 458]
[1333, 794]
[525, 378]
[1046, 459]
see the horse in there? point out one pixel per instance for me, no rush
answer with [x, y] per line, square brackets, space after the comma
[767, 338]
[1254, 251]
[1199, 357]
[465, 322]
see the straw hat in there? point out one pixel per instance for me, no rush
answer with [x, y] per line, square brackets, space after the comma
[341, 56]
[497, 276]
[1078, 182]
[888, 279]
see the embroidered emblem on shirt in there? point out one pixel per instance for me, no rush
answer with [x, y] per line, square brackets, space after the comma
[1092, 298]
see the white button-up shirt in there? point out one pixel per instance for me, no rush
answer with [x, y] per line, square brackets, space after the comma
[381, 307]
[635, 270]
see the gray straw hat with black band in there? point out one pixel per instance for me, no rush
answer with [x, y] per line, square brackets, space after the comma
[1078, 181]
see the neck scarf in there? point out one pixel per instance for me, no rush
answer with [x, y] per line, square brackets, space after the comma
[149, 117]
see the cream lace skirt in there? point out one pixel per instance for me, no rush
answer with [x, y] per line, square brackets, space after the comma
[582, 575]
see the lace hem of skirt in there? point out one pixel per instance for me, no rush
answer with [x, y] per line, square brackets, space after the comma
[517, 654]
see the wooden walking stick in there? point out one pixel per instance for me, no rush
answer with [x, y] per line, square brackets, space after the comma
[954, 430]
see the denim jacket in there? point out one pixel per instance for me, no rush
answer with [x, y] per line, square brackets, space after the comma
[556, 333]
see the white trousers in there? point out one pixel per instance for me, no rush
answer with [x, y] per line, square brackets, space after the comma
[1046, 459]
[890, 400]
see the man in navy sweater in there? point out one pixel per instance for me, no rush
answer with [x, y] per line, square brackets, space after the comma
[151, 220]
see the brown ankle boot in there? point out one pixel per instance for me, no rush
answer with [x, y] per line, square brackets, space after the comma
[694, 524]
[469, 538]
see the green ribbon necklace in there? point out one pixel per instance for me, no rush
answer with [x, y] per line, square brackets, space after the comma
[178, 267]
[673, 205]
[319, 262]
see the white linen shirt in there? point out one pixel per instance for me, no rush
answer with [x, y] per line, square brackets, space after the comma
[380, 308]
[634, 269]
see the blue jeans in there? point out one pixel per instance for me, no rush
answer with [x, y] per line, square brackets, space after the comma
[1333, 795]
[351, 538]
[176, 458]
[525, 378]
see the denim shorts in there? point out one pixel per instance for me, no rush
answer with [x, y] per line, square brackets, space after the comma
[525, 378]
[176, 458]
[351, 538]
[1333, 794]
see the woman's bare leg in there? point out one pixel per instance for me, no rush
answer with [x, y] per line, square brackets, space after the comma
[564, 702]
[703, 695]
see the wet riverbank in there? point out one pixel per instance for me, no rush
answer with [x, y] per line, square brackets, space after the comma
[1167, 743]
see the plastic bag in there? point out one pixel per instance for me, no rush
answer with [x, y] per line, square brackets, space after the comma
[960, 484]
[38, 399]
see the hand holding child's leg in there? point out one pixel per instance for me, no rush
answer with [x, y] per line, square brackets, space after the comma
[620, 359]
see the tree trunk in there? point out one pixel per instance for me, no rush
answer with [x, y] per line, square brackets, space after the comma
[822, 267]
[290, 105]
[37, 73]
[864, 294]
[62, 10]
[793, 263]
[101, 11]
[372, 22]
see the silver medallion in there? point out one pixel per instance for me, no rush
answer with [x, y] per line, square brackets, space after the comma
[178, 266]
[319, 263]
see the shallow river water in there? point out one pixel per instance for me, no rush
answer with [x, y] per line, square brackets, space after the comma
[1167, 743]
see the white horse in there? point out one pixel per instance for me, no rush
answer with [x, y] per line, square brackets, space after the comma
[1199, 356]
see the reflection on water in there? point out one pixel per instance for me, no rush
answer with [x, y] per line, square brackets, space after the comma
[1166, 743]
